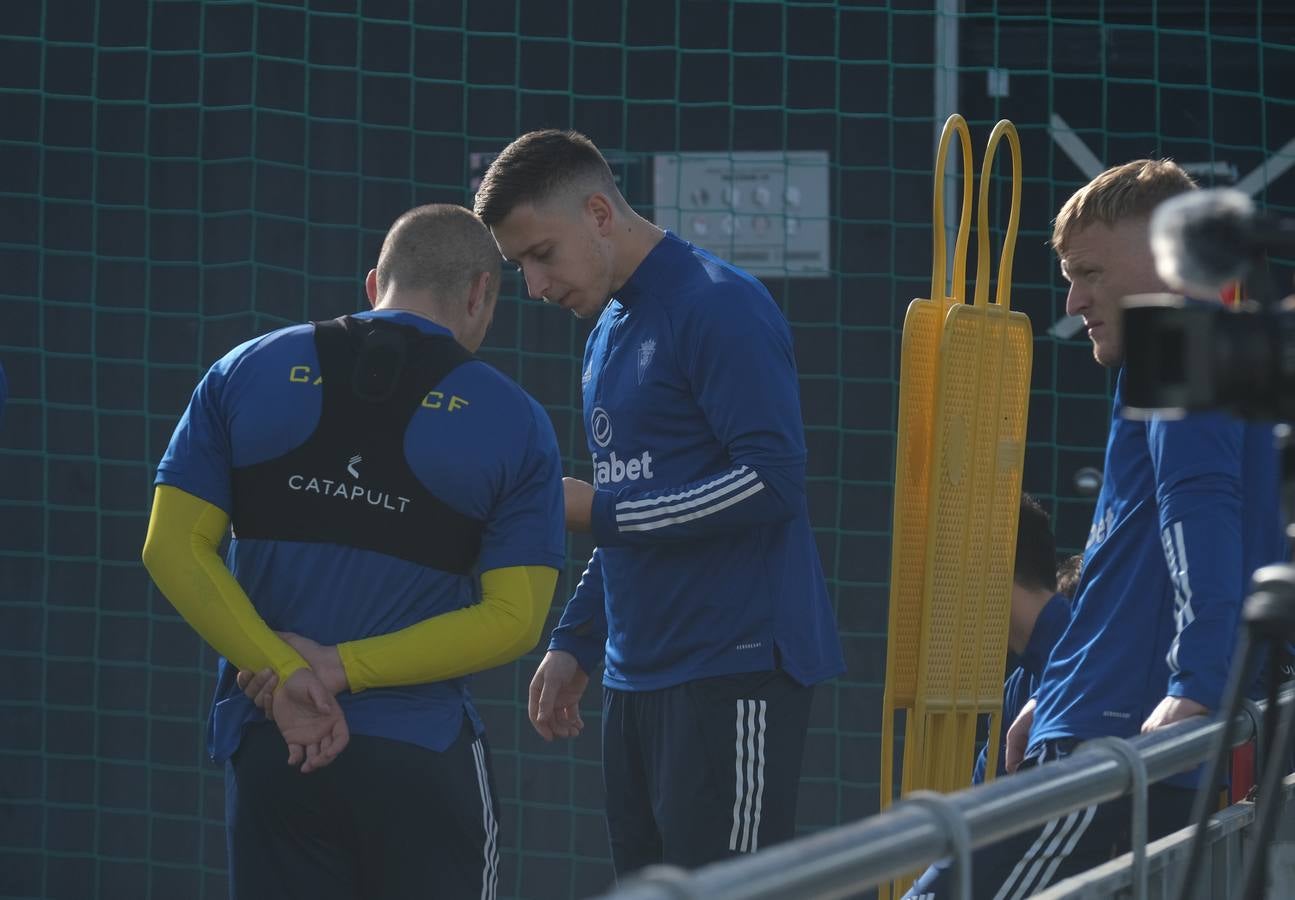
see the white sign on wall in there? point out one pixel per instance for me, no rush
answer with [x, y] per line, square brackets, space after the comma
[765, 211]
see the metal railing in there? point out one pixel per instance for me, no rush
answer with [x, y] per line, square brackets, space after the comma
[1166, 859]
[845, 860]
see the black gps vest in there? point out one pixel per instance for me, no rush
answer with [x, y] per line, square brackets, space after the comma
[350, 483]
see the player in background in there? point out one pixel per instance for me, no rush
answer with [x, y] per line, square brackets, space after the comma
[704, 602]
[1187, 510]
[397, 524]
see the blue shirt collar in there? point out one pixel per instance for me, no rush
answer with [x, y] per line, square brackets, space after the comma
[401, 317]
[651, 275]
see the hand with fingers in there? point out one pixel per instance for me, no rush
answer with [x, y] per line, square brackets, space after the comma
[326, 667]
[556, 689]
[323, 660]
[321, 725]
[1018, 736]
[259, 688]
[310, 720]
[1171, 710]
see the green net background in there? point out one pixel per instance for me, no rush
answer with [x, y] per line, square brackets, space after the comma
[176, 177]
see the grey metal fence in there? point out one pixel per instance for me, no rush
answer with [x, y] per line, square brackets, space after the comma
[846, 860]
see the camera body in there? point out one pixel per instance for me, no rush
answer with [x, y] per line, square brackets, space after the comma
[1184, 356]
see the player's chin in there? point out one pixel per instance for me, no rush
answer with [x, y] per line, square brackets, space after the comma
[1109, 354]
[581, 310]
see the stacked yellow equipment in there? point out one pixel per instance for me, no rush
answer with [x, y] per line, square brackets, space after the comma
[963, 401]
[918, 367]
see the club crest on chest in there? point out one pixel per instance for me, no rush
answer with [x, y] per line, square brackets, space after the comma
[646, 350]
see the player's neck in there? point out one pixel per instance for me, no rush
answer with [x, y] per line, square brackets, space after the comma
[635, 241]
[420, 305]
[1027, 603]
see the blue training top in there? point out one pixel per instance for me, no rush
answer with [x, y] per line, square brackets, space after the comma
[478, 442]
[1023, 676]
[705, 562]
[1187, 511]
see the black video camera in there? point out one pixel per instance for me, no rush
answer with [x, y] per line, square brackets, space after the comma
[1182, 355]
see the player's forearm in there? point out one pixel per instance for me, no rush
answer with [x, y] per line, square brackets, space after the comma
[582, 630]
[180, 553]
[1201, 538]
[504, 625]
[737, 499]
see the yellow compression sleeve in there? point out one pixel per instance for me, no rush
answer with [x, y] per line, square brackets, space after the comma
[180, 552]
[504, 625]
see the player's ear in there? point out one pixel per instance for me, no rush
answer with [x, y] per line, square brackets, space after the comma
[479, 294]
[603, 211]
[371, 287]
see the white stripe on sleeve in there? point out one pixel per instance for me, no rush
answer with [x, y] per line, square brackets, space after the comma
[719, 480]
[675, 508]
[699, 514]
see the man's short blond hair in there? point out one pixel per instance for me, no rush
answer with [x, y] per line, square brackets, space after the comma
[439, 248]
[1130, 191]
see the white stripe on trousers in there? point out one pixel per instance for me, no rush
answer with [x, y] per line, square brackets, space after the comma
[1029, 854]
[1070, 847]
[748, 789]
[490, 873]
[1071, 830]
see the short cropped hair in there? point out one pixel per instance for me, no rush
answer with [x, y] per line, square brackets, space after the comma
[439, 248]
[1132, 190]
[1068, 575]
[535, 167]
[1036, 548]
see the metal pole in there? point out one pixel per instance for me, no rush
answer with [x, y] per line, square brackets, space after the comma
[945, 105]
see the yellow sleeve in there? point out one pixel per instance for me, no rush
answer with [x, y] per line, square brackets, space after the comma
[504, 625]
[180, 552]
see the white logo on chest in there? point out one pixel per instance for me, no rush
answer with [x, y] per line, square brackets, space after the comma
[600, 426]
[646, 350]
[342, 490]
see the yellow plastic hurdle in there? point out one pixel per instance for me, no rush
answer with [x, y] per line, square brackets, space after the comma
[978, 450]
[964, 395]
[918, 368]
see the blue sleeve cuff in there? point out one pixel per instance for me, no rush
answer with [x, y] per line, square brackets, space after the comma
[1198, 689]
[588, 653]
[603, 519]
